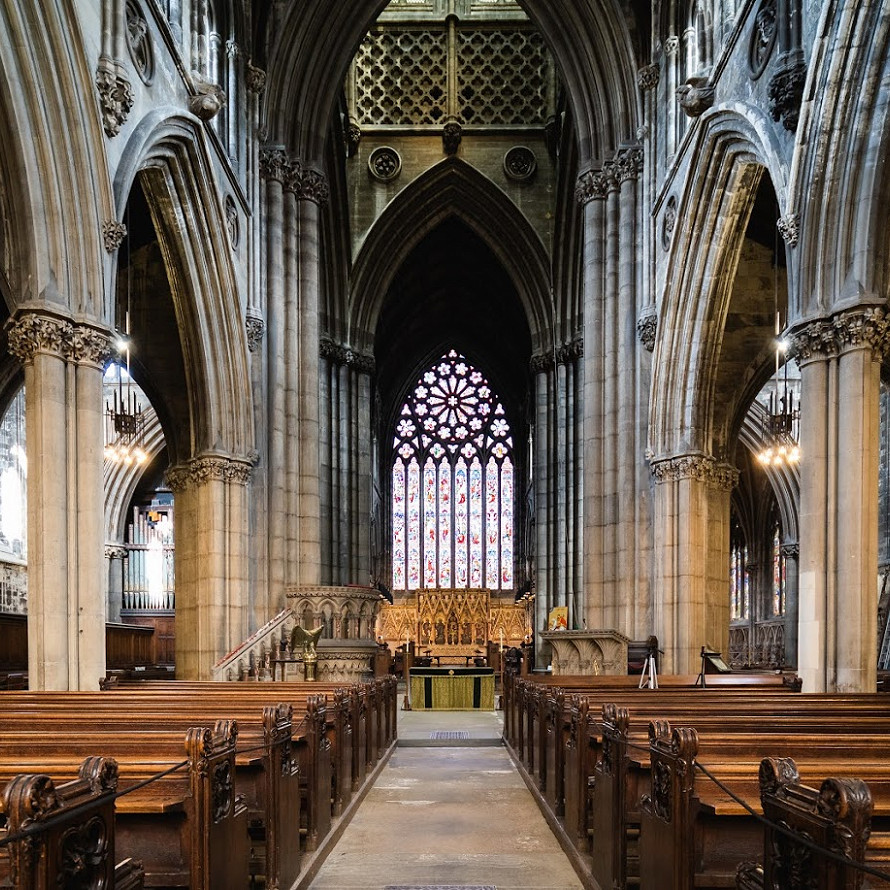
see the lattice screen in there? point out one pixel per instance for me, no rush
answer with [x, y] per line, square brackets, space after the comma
[502, 77]
[401, 77]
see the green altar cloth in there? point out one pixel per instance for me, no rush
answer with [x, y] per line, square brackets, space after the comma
[452, 688]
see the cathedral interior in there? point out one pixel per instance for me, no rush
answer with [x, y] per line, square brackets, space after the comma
[322, 312]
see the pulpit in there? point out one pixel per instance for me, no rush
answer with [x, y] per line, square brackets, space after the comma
[587, 651]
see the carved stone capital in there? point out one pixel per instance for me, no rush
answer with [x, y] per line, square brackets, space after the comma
[113, 233]
[208, 468]
[451, 137]
[790, 550]
[32, 333]
[647, 327]
[255, 326]
[90, 346]
[671, 45]
[115, 97]
[305, 183]
[648, 77]
[115, 551]
[273, 164]
[863, 328]
[696, 96]
[628, 164]
[786, 92]
[788, 227]
[569, 353]
[540, 362]
[208, 99]
[700, 467]
[346, 355]
[591, 186]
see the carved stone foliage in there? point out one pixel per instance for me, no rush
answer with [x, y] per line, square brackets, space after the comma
[298, 179]
[115, 98]
[628, 164]
[763, 37]
[868, 327]
[592, 185]
[32, 333]
[346, 355]
[255, 79]
[113, 233]
[695, 466]
[669, 222]
[696, 96]
[384, 163]
[520, 163]
[647, 328]
[352, 137]
[566, 354]
[255, 326]
[139, 42]
[789, 228]
[209, 468]
[786, 92]
[648, 77]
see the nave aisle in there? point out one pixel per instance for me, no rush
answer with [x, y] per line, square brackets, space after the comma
[451, 813]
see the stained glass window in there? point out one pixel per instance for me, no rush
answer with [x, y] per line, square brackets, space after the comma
[453, 483]
[739, 578]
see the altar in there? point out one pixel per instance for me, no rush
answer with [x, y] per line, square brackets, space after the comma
[451, 688]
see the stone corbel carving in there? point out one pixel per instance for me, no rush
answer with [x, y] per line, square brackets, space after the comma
[648, 77]
[352, 137]
[255, 326]
[786, 91]
[451, 137]
[789, 228]
[113, 233]
[696, 95]
[208, 100]
[115, 96]
[255, 78]
[647, 327]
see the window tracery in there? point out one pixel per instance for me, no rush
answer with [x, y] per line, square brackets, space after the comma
[453, 483]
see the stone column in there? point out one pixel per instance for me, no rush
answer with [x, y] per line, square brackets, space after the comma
[114, 555]
[544, 600]
[90, 349]
[212, 523]
[791, 555]
[310, 190]
[692, 558]
[840, 378]
[63, 417]
[273, 168]
[591, 193]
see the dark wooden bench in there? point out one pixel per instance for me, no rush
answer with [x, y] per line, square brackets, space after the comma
[63, 835]
[188, 827]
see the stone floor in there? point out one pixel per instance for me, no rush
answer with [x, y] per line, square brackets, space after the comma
[448, 812]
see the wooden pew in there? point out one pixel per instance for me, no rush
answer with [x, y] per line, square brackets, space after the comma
[188, 827]
[694, 834]
[837, 817]
[63, 835]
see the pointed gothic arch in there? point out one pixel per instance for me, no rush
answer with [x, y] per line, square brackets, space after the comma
[171, 160]
[590, 40]
[698, 284]
[451, 188]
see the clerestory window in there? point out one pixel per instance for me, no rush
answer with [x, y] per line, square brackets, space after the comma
[453, 483]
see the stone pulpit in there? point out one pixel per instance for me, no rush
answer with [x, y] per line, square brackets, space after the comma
[587, 651]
